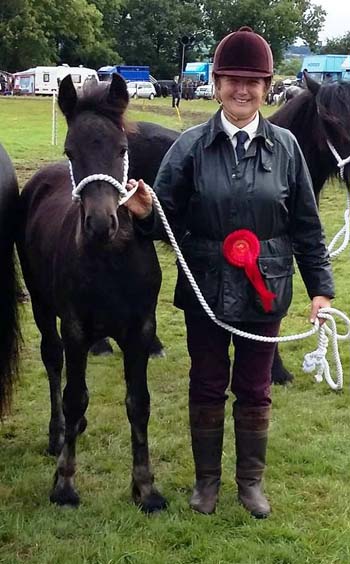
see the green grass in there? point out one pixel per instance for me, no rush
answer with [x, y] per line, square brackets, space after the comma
[308, 475]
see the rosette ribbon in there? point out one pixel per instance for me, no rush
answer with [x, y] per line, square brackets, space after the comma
[242, 248]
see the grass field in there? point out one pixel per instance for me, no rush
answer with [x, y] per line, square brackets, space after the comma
[308, 459]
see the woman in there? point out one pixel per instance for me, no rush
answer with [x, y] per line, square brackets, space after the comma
[237, 172]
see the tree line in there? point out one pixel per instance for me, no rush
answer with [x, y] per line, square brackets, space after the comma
[134, 32]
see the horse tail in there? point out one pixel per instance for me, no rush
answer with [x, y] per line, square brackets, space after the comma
[9, 330]
[10, 335]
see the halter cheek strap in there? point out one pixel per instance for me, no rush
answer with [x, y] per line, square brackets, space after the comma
[121, 187]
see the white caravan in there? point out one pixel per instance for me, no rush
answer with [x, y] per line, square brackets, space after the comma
[46, 80]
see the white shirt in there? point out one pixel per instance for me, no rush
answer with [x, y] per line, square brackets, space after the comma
[231, 130]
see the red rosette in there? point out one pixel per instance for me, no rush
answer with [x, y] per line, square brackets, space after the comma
[241, 248]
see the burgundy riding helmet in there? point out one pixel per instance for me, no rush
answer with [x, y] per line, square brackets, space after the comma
[243, 53]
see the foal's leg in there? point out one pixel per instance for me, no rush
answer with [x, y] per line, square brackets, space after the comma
[75, 402]
[52, 357]
[138, 409]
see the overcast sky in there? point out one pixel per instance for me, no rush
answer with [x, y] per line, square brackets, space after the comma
[337, 20]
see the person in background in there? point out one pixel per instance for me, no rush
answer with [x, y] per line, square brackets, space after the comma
[238, 195]
[175, 92]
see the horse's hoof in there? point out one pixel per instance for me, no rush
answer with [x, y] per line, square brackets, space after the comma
[102, 348]
[153, 503]
[158, 353]
[282, 378]
[156, 349]
[65, 495]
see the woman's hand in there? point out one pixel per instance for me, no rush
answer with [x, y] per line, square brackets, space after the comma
[317, 303]
[140, 204]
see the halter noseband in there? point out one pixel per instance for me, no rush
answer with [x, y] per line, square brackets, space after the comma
[121, 187]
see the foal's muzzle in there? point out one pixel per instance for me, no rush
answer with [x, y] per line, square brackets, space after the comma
[101, 228]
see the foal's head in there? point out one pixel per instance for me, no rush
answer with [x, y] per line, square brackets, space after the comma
[96, 143]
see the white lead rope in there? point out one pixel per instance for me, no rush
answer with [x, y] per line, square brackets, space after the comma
[315, 360]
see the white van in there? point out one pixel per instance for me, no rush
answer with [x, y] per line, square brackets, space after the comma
[46, 80]
[141, 89]
[205, 91]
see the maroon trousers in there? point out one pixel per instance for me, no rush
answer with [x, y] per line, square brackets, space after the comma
[208, 347]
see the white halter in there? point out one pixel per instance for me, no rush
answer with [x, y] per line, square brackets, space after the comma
[121, 187]
[341, 162]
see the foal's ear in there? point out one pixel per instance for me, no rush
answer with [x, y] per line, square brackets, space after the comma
[311, 84]
[67, 96]
[118, 91]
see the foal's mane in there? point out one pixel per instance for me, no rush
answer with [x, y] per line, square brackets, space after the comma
[98, 100]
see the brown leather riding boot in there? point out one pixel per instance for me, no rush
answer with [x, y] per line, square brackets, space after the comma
[251, 430]
[207, 430]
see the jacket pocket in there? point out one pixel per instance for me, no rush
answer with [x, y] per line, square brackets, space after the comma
[277, 273]
[205, 267]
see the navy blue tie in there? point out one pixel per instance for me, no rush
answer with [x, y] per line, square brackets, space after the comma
[241, 137]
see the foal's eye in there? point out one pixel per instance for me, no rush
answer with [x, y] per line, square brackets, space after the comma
[69, 154]
[123, 151]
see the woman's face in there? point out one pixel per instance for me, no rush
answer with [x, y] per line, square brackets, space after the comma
[240, 97]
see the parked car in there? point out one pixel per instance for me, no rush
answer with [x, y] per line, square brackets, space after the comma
[205, 91]
[142, 89]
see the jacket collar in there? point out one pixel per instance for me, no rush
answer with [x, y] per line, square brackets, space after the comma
[215, 130]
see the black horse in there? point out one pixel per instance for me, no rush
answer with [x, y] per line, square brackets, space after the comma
[9, 327]
[84, 263]
[319, 113]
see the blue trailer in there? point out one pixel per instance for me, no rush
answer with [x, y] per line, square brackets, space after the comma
[198, 72]
[327, 67]
[134, 73]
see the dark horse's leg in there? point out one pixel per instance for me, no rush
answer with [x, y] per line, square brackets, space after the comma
[75, 403]
[101, 348]
[279, 373]
[136, 354]
[52, 356]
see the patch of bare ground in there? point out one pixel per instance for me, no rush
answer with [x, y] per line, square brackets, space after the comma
[186, 114]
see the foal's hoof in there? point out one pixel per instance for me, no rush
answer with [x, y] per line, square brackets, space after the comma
[64, 495]
[151, 503]
[102, 348]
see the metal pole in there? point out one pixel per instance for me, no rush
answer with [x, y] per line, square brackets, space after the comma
[182, 62]
[54, 120]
